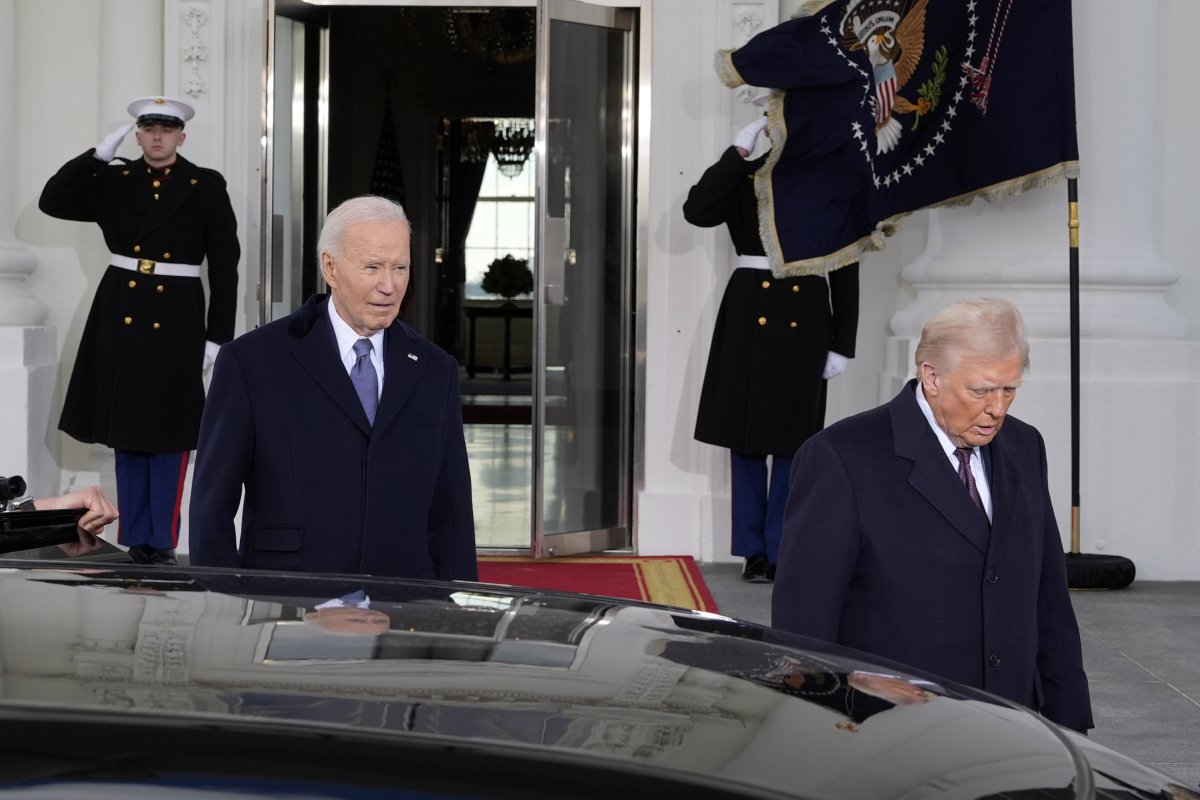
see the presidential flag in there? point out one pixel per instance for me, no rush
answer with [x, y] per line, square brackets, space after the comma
[885, 107]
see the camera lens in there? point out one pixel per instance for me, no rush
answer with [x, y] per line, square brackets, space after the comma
[11, 487]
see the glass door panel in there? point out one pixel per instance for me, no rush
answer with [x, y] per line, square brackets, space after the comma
[294, 158]
[583, 277]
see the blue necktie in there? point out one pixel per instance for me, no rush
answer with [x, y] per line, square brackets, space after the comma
[365, 379]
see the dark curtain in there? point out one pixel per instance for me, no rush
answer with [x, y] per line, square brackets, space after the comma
[464, 180]
[387, 178]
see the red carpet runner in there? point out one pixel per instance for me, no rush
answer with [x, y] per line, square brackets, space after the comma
[669, 580]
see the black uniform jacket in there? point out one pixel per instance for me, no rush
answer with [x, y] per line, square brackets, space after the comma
[763, 393]
[137, 382]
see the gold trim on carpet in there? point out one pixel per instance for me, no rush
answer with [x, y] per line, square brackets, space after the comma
[665, 580]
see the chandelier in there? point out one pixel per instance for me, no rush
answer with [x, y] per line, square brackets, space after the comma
[512, 142]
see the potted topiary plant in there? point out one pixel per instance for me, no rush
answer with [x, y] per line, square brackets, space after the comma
[508, 277]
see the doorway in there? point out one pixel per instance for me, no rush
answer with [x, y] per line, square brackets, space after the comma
[506, 134]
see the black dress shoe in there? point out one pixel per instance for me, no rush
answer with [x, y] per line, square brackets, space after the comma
[142, 553]
[756, 569]
[166, 557]
[770, 573]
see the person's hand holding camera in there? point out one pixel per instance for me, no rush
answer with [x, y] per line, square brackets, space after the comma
[98, 509]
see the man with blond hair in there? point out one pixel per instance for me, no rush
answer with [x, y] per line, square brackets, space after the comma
[922, 530]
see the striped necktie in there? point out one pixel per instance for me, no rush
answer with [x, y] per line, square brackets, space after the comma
[968, 478]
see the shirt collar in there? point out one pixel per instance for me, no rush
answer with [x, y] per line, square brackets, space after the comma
[346, 336]
[948, 446]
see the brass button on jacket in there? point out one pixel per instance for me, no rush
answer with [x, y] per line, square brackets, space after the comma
[762, 320]
[129, 320]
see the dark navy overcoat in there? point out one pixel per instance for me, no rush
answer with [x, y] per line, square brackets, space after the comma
[324, 490]
[884, 551]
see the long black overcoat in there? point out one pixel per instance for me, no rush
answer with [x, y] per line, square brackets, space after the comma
[326, 491]
[884, 551]
[763, 393]
[137, 380]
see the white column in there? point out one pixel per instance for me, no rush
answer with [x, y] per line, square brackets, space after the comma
[27, 347]
[1140, 375]
[18, 306]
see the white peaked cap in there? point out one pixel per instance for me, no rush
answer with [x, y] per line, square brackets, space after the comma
[161, 109]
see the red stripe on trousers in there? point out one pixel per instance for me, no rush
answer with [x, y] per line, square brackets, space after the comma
[183, 462]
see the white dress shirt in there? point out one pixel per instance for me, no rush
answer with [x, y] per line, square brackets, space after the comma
[346, 337]
[981, 481]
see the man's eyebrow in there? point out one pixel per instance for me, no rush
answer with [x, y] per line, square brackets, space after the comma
[988, 387]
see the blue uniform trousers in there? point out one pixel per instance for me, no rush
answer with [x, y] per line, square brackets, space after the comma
[149, 497]
[759, 498]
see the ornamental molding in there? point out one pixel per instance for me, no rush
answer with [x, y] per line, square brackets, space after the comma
[747, 20]
[194, 49]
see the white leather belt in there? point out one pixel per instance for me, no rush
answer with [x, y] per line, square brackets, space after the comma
[753, 262]
[148, 267]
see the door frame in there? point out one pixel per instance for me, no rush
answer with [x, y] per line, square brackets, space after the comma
[638, 190]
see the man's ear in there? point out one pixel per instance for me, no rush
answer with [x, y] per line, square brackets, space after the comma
[182, 139]
[327, 270]
[929, 382]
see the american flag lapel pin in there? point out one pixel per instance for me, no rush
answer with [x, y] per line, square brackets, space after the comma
[413, 356]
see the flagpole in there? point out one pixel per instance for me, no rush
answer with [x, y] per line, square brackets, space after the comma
[1073, 225]
[1092, 571]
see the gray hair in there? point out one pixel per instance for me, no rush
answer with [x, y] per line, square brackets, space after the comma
[365, 208]
[991, 328]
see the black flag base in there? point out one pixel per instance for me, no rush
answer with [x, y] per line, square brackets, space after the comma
[1092, 571]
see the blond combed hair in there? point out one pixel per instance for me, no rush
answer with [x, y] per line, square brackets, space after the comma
[990, 328]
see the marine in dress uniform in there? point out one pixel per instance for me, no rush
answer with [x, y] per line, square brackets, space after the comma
[776, 343]
[137, 383]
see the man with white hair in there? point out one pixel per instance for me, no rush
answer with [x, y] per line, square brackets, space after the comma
[342, 425]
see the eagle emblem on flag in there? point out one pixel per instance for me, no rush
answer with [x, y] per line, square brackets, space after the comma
[893, 34]
[880, 108]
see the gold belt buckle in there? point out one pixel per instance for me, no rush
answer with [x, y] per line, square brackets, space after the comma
[145, 266]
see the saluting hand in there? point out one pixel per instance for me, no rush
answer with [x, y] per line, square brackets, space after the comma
[106, 151]
[747, 136]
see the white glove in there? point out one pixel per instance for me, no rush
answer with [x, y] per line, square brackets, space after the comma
[210, 354]
[747, 136]
[106, 151]
[835, 364]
